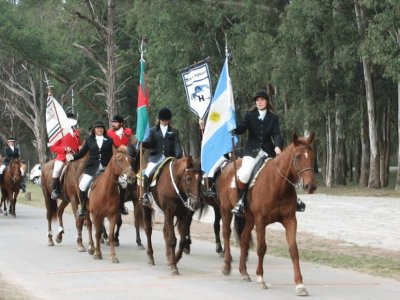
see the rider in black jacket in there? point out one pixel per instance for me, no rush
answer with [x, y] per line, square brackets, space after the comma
[10, 151]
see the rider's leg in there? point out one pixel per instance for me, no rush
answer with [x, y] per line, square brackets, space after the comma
[55, 190]
[2, 167]
[83, 186]
[238, 210]
[122, 195]
[146, 184]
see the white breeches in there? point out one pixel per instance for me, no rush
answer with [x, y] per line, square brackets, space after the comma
[2, 167]
[122, 182]
[86, 179]
[151, 165]
[248, 164]
[58, 165]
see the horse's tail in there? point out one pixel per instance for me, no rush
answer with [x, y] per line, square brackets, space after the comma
[239, 226]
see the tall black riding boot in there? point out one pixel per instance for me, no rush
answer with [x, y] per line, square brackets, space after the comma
[146, 198]
[211, 188]
[122, 196]
[82, 210]
[55, 189]
[1, 178]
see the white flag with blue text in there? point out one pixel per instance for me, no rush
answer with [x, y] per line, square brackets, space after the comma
[221, 121]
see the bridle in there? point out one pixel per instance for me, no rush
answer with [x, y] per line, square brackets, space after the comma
[294, 161]
[124, 171]
[188, 203]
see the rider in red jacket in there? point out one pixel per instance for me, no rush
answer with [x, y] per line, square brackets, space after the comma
[68, 144]
[121, 137]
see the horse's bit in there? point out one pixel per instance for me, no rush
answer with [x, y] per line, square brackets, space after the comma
[188, 204]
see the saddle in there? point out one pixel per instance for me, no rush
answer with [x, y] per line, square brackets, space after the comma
[156, 172]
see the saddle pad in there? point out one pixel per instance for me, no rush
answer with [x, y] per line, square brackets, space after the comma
[257, 171]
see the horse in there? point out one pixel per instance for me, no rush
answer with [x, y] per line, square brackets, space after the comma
[271, 199]
[69, 194]
[11, 185]
[177, 194]
[104, 201]
[131, 195]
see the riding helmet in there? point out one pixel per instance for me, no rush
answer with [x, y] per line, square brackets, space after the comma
[164, 114]
[99, 124]
[261, 93]
[118, 118]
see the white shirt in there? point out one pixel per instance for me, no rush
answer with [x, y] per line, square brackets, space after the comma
[119, 132]
[163, 129]
[262, 114]
[12, 148]
[99, 140]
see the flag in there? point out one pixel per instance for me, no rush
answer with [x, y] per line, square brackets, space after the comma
[142, 127]
[221, 121]
[196, 79]
[57, 124]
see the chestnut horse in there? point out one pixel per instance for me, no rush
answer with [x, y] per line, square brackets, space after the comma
[104, 201]
[271, 199]
[11, 185]
[176, 193]
[69, 194]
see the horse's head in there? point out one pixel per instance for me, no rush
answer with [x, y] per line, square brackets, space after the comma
[190, 176]
[15, 170]
[303, 162]
[122, 167]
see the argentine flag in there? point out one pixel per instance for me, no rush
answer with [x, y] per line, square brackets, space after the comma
[221, 120]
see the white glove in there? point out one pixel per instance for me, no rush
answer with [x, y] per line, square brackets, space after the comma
[70, 157]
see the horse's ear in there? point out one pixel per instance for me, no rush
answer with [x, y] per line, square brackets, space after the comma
[311, 137]
[295, 138]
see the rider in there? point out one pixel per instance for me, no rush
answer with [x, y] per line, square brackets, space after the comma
[10, 151]
[163, 141]
[122, 137]
[99, 145]
[264, 140]
[69, 143]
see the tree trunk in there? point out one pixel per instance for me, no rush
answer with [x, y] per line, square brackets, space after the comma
[398, 135]
[364, 148]
[329, 153]
[384, 146]
[340, 155]
[374, 176]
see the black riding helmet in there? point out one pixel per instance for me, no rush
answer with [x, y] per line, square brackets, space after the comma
[164, 114]
[261, 93]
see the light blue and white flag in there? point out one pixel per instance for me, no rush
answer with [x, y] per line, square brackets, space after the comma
[221, 121]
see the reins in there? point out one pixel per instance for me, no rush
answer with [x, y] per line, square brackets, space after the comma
[293, 161]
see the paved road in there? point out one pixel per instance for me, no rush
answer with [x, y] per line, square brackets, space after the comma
[62, 273]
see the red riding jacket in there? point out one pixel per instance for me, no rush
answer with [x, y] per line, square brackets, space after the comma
[73, 141]
[123, 140]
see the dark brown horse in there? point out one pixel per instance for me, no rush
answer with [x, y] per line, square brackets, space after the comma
[271, 199]
[104, 201]
[11, 185]
[176, 193]
[69, 194]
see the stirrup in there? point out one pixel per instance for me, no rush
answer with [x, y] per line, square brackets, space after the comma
[54, 195]
[238, 210]
[146, 200]
[81, 214]
[300, 205]
[124, 210]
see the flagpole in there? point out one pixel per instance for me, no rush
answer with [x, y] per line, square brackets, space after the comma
[227, 56]
[141, 176]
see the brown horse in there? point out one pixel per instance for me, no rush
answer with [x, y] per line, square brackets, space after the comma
[104, 201]
[271, 199]
[69, 194]
[176, 193]
[11, 185]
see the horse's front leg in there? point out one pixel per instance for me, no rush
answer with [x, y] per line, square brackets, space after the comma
[217, 229]
[226, 233]
[138, 217]
[98, 225]
[112, 222]
[13, 202]
[170, 242]
[148, 228]
[261, 250]
[60, 212]
[184, 232]
[116, 235]
[290, 225]
[89, 226]
[49, 217]
[79, 243]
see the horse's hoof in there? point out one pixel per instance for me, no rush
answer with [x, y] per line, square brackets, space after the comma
[102, 241]
[116, 244]
[301, 290]
[262, 285]
[97, 256]
[226, 271]
[174, 272]
[80, 249]
[186, 250]
[50, 243]
[150, 262]
[14, 215]
[115, 260]
[6, 213]
[246, 278]
[59, 239]
[141, 247]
